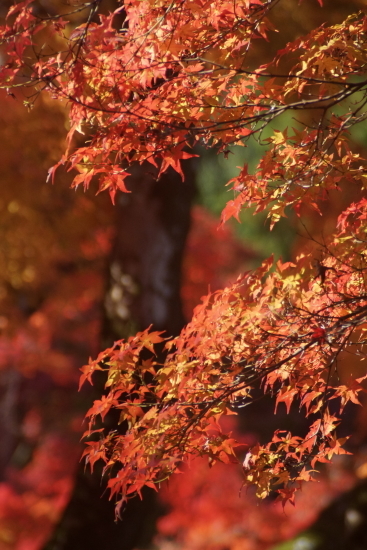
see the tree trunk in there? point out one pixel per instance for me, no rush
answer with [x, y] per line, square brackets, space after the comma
[341, 526]
[144, 289]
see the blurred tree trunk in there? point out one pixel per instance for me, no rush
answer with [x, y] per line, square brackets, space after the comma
[11, 414]
[144, 289]
[341, 526]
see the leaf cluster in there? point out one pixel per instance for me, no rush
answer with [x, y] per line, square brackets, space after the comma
[145, 84]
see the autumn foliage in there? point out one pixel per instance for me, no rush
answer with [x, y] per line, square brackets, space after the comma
[145, 85]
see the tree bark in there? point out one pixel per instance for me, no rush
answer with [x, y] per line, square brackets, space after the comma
[341, 526]
[144, 289]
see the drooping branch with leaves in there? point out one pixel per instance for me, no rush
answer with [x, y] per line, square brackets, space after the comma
[147, 83]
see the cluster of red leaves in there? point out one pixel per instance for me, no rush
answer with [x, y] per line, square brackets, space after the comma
[283, 330]
[173, 74]
[146, 83]
[206, 511]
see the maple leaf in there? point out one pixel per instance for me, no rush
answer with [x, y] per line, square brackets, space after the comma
[286, 495]
[173, 158]
[286, 396]
[232, 209]
[147, 339]
[88, 371]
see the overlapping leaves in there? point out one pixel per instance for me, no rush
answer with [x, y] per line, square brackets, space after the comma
[145, 84]
[282, 331]
[173, 74]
